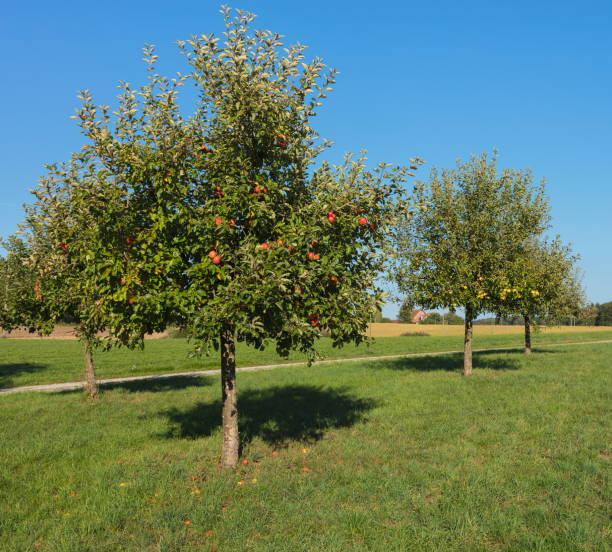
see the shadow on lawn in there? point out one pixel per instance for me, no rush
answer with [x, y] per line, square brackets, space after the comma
[168, 383]
[488, 360]
[8, 371]
[276, 415]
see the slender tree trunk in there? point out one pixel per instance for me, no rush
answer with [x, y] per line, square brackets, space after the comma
[527, 335]
[229, 448]
[467, 342]
[90, 373]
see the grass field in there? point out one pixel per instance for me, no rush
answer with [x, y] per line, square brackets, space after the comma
[40, 361]
[398, 454]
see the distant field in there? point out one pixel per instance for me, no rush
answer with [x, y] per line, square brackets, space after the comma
[394, 455]
[394, 330]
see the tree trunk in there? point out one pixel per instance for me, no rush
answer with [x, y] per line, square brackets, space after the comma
[527, 335]
[90, 373]
[229, 448]
[467, 342]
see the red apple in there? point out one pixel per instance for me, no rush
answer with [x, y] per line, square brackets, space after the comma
[216, 259]
[311, 255]
[212, 254]
[245, 462]
[363, 221]
[218, 220]
[264, 246]
[63, 245]
[317, 257]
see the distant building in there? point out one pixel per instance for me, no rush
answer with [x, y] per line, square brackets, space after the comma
[418, 316]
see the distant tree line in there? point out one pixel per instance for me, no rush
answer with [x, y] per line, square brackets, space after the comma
[595, 314]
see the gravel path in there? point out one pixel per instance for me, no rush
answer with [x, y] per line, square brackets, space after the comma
[80, 384]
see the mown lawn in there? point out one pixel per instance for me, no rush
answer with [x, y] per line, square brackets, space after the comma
[402, 454]
[37, 361]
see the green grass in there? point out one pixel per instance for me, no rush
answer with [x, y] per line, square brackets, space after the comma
[37, 361]
[392, 455]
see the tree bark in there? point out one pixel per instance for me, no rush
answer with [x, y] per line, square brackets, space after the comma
[229, 448]
[527, 335]
[90, 373]
[467, 341]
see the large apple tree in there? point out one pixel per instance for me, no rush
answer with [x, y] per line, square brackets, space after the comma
[219, 221]
[468, 226]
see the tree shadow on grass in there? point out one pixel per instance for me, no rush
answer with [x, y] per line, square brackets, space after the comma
[277, 415]
[154, 385]
[452, 362]
[9, 371]
[158, 385]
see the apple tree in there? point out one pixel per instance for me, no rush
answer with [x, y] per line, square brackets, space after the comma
[220, 222]
[19, 287]
[60, 228]
[541, 283]
[468, 223]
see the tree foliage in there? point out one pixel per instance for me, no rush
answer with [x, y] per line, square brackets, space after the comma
[218, 221]
[406, 312]
[542, 283]
[604, 314]
[432, 318]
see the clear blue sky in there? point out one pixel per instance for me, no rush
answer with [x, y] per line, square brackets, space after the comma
[438, 79]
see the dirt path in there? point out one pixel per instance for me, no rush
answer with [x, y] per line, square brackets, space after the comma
[80, 384]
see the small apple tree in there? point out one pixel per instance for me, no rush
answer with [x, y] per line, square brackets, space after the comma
[219, 222]
[61, 229]
[468, 224]
[541, 282]
[19, 287]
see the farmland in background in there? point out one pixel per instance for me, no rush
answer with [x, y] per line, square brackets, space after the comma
[395, 330]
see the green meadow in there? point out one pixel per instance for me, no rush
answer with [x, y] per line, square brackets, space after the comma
[397, 454]
[42, 361]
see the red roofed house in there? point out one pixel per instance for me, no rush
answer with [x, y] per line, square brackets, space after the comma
[418, 316]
